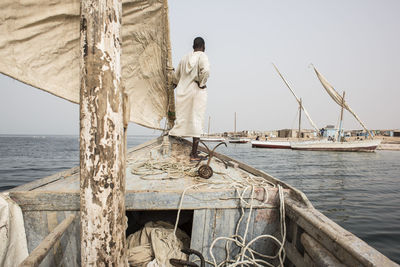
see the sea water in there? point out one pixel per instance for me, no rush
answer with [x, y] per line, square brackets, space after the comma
[359, 191]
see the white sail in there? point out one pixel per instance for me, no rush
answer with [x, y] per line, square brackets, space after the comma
[40, 46]
[338, 98]
[298, 100]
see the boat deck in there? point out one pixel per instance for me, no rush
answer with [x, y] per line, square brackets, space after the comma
[150, 172]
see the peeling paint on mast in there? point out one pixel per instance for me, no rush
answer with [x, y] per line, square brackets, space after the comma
[102, 136]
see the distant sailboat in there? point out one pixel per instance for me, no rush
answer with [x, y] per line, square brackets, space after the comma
[339, 144]
[236, 139]
[213, 138]
[285, 144]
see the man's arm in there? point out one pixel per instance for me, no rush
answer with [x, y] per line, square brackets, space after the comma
[204, 71]
[176, 75]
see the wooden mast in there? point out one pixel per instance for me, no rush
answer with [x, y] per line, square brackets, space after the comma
[170, 70]
[235, 125]
[102, 136]
[341, 118]
[300, 107]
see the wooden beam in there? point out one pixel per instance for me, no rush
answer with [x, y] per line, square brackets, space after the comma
[45, 181]
[141, 200]
[320, 255]
[170, 70]
[293, 255]
[102, 136]
[38, 254]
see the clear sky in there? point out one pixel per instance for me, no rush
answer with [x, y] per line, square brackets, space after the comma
[354, 44]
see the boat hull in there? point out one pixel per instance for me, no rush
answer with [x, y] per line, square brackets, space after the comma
[356, 146]
[271, 144]
[206, 139]
[238, 141]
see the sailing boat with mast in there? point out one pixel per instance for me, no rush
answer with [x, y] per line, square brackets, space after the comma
[266, 221]
[286, 144]
[213, 138]
[235, 138]
[338, 144]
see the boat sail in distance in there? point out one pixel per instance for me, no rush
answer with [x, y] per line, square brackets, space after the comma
[213, 138]
[235, 139]
[285, 144]
[339, 144]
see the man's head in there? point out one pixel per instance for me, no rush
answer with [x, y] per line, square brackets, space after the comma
[199, 44]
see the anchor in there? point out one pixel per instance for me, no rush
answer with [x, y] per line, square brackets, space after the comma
[188, 251]
[205, 171]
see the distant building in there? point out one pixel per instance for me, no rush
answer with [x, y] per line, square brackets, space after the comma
[287, 133]
[329, 131]
[291, 133]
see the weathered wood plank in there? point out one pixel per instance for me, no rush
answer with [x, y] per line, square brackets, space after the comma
[196, 242]
[102, 135]
[52, 223]
[44, 181]
[265, 221]
[294, 256]
[308, 261]
[56, 201]
[318, 253]
[38, 254]
[345, 246]
[70, 241]
[209, 232]
[225, 225]
[147, 145]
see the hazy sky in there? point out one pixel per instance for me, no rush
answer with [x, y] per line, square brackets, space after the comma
[354, 44]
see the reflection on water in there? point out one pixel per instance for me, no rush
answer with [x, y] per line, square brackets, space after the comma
[360, 191]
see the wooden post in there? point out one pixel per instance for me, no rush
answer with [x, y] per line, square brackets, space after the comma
[170, 89]
[300, 107]
[102, 136]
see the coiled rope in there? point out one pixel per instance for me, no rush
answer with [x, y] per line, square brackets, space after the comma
[163, 169]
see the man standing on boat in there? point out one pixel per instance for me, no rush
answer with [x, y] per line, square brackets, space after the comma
[190, 78]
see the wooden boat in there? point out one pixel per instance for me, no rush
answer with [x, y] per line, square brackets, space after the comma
[272, 217]
[325, 145]
[64, 214]
[235, 139]
[212, 139]
[271, 144]
[238, 140]
[338, 144]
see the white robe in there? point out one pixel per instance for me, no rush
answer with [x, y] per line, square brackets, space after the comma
[191, 100]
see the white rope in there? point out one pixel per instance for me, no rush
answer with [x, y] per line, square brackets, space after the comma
[242, 258]
[181, 202]
[161, 169]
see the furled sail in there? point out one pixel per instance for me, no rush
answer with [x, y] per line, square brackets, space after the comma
[338, 98]
[298, 101]
[39, 45]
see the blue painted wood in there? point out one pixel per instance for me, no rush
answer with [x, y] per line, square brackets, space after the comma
[37, 228]
[209, 224]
